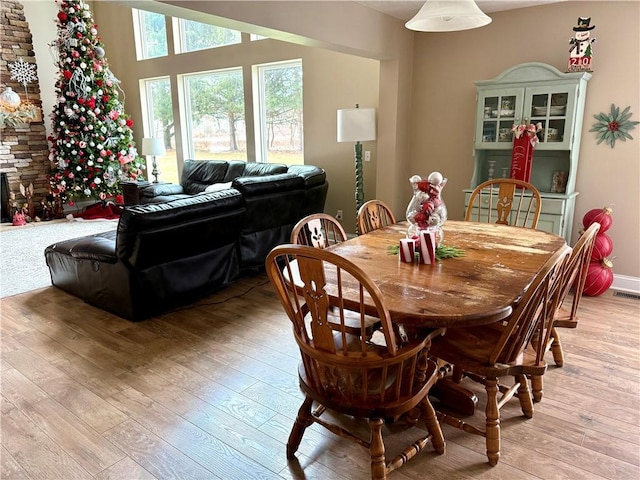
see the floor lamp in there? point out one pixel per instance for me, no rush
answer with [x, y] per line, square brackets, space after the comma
[357, 125]
[153, 147]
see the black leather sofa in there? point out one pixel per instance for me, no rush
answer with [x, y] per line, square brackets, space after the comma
[171, 252]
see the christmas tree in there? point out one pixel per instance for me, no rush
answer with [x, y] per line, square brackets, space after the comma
[92, 147]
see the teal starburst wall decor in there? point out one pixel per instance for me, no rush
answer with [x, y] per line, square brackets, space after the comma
[613, 126]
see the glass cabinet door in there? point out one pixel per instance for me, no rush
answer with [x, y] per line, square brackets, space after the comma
[552, 108]
[499, 110]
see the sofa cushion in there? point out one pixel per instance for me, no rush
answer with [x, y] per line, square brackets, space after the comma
[251, 186]
[255, 169]
[198, 175]
[216, 187]
[162, 189]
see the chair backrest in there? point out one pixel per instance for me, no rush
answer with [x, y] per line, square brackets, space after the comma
[506, 201]
[318, 230]
[577, 266]
[532, 318]
[344, 369]
[373, 215]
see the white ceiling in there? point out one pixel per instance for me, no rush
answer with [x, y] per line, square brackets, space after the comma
[405, 10]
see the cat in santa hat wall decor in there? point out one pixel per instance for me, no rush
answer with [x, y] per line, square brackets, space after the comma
[581, 50]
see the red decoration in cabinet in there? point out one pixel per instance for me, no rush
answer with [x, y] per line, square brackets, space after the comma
[521, 158]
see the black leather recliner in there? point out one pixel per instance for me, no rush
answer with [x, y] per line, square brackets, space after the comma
[160, 256]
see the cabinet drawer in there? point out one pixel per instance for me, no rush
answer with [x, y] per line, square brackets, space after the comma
[553, 206]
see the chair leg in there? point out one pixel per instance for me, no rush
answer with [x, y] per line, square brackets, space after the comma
[433, 426]
[536, 387]
[376, 450]
[492, 428]
[303, 420]
[556, 348]
[524, 394]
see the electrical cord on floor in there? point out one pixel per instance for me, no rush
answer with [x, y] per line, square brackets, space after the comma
[218, 302]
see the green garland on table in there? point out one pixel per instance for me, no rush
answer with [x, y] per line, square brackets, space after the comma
[442, 252]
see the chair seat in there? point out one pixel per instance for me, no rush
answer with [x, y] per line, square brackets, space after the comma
[470, 347]
[340, 398]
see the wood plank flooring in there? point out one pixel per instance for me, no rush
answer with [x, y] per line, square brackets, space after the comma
[210, 391]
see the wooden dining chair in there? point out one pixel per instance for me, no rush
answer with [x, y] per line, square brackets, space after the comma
[505, 201]
[343, 372]
[318, 230]
[373, 215]
[574, 277]
[321, 230]
[511, 348]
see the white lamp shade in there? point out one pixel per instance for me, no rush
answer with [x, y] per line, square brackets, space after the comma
[448, 16]
[356, 124]
[152, 146]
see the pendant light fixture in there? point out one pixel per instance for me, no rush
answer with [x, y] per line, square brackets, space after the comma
[448, 16]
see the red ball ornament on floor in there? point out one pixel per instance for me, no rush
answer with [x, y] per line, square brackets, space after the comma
[600, 215]
[602, 247]
[599, 278]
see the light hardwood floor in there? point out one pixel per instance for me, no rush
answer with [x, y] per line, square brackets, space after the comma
[211, 391]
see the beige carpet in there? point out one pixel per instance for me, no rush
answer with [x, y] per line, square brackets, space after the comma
[22, 264]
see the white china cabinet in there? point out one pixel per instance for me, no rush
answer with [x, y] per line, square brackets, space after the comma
[533, 93]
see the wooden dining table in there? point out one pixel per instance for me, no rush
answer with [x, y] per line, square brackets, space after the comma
[481, 287]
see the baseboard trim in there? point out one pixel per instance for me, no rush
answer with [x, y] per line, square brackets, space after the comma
[625, 283]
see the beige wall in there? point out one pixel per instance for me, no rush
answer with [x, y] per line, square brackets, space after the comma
[430, 126]
[442, 121]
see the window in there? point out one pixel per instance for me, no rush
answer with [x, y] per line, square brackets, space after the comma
[279, 122]
[156, 102]
[150, 33]
[214, 106]
[199, 36]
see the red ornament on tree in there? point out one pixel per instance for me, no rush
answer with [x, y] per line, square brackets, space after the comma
[599, 273]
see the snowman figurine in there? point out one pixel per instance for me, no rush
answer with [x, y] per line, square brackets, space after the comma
[580, 51]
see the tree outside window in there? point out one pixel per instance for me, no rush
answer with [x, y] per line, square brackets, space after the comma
[281, 112]
[199, 36]
[160, 125]
[216, 113]
[151, 34]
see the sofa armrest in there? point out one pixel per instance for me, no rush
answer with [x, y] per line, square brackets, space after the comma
[251, 186]
[160, 189]
[311, 175]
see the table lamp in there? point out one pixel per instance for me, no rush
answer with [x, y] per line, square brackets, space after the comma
[153, 147]
[357, 125]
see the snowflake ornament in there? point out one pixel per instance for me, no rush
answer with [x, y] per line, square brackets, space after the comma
[23, 72]
[614, 126]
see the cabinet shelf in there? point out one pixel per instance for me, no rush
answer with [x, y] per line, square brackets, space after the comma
[533, 93]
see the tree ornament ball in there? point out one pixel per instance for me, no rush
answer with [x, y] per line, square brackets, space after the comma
[600, 215]
[599, 278]
[602, 247]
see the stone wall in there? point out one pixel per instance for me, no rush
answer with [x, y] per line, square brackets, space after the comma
[24, 152]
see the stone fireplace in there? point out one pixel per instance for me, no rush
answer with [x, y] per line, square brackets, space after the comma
[24, 152]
